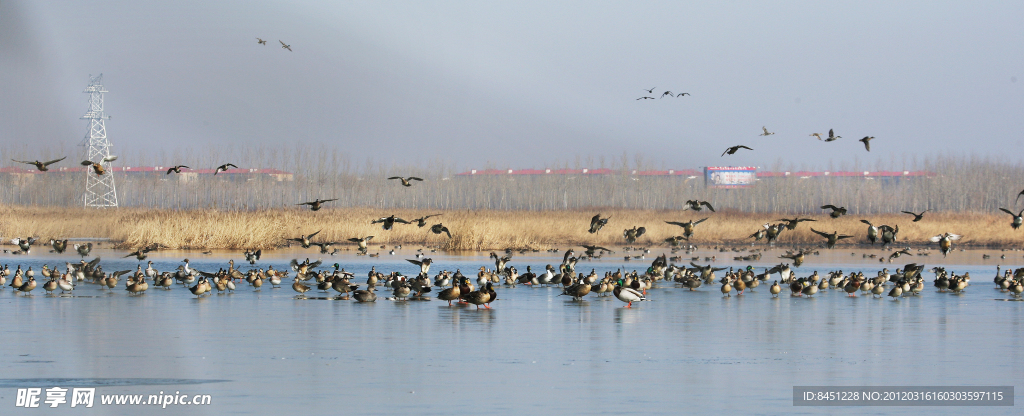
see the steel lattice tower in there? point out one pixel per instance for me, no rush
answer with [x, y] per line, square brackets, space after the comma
[99, 189]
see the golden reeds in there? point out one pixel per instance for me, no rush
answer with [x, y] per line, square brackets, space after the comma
[471, 230]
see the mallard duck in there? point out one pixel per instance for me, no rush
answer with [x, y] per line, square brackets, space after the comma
[285, 46]
[628, 295]
[450, 294]
[316, 204]
[304, 240]
[361, 242]
[480, 297]
[300, 288]
[41, 166]
[596, 223]
[363, 296]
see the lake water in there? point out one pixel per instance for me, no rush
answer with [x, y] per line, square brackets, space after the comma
[534, 352]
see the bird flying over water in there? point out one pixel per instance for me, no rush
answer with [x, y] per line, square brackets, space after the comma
[304, 239]
[41, 166]
[288, 47]
[734, 149]
[597, 222]
[832, 238]
[389, 221]
[439, 228]
[1018, 218]
[422, 221]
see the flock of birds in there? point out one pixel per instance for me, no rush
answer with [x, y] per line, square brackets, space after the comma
[733, 149]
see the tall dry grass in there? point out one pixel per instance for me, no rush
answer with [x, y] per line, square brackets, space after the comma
[477, 230]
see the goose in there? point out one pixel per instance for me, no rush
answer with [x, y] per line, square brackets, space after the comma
[836, 211]
[405, 181]
[305, 239]
[596, 223]
[41, 166]
[628, 295]
[867, 142]
[389, 221]
[1017, 218]
[732, 150]
[284, 46]
[917, 217]
[176, 169]
[223, 168]
[316, 204]
[766, 132]
[832, 238]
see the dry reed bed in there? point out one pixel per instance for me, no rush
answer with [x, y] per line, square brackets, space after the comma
[471, 230]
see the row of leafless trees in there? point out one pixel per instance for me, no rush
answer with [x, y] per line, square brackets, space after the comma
[962, 184]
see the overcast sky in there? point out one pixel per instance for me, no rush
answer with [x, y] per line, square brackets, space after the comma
[523, 84]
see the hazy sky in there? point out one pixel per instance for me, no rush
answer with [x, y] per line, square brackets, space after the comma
[523, 84]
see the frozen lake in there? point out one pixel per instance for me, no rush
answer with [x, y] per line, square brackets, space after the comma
[533, 353]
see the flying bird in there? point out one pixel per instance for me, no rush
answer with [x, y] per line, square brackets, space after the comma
[734, 149]
[867, 142]
[645, 98]
[917, 217]
[792, 223]
[288, 47]
[96, 166]
[832, 238]
[1018, 197]
[766, 132]
[668, 93]
[405, 181]
[176, 169]
[836, 211]
[945, 241]
[633, 233]
[315, 205]
[831, 137]
[818, 135]
[389, 221]
[682, 94]
[422, 221]
[596, 223]
[261, 41]
[1018, 218]
[687, 226]
[698, 205]
[650, 91]
[439, 228]
[304, 239]
[41, 166]
[224, 167]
